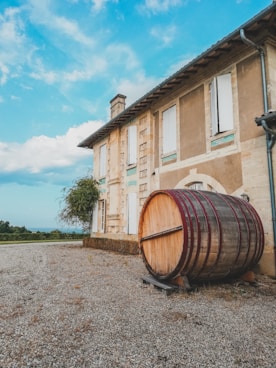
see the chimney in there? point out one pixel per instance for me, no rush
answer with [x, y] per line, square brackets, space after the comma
[117, 105]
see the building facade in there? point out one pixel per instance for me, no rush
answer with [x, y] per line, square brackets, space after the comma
[196, 130]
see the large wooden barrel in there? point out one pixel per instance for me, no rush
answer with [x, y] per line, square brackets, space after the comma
[199, 234]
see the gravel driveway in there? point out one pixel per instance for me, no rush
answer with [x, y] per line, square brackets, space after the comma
[62, 305]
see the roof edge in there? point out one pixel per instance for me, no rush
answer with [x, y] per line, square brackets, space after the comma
[117, 120]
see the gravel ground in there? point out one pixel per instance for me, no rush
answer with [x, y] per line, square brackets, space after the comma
[67, 306]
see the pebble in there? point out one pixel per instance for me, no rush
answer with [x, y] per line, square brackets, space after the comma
[66, 306]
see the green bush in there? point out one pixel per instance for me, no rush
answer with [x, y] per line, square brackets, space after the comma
[54, 235]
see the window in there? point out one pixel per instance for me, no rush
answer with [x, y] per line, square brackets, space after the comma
[197, 185]
[98, 219]
[169, 130]
[103, 161]
[221, 104]
[200, 185]
[102, 215]
[132, 145]
[132, 213]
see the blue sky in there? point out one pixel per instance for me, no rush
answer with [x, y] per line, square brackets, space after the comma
[62, 61]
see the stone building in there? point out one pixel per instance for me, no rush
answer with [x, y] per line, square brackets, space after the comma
[196, 129]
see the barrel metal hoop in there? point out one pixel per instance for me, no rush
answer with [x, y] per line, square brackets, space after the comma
[240, 203]
[148, 266]
[259, 242]
[206, 197]
[227, 201]
[182, 199]
[192, 193]
[175, 194]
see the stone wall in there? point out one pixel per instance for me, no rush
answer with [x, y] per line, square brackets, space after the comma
[115, 245]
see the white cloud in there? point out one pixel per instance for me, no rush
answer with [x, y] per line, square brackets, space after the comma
[12, 29]
[158, 6]
[41, 152]
[67, 109]
[15, 49]
[18, 51]
[40, 73]
[20, 55]
[113, 55]
[135, 88]
[122, 54]
[139, 84]
[98, 5]
[85, 72]
[70, 29]
[1, 99]
[15, 98]
[164, 34]
[26, 87]
[40, 13]
[88, 105]
[4, 73]
[184, 60]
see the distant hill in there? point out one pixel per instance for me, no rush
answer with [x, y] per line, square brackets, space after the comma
[49, 229]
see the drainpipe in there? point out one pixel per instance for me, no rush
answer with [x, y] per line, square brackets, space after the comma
[270, 134]
[262, 54]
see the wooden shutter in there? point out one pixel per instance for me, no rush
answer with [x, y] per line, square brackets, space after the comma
[169, 130]
[214, 107]
[225, 102]
[132, 144]
[103, 160]
[102, 215]
[156, 139]
[95, 219]
[132, 213]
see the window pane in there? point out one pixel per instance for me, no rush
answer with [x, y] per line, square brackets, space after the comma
[197, 185]
[169, 130]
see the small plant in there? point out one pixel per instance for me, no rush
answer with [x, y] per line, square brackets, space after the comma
[79, 202]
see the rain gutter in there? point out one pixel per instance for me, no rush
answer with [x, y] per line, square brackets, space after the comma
[270, 134]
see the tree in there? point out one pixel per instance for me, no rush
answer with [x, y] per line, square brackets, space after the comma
[6, 228]
[79, 202]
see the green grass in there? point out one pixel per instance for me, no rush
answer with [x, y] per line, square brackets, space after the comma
[39, 241]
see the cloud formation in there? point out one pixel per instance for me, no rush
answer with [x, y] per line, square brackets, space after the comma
[42, 153]
[40, 13]
[14, 45]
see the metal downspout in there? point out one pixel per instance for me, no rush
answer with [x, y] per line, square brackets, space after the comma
[270, 135]
[270, 141]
